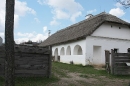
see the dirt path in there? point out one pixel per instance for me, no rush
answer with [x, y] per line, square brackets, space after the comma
[77, 79]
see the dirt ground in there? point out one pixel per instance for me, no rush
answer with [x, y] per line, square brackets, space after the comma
[77, 79]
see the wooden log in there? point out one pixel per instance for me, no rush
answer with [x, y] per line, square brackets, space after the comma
[49, 60]
[112, 61]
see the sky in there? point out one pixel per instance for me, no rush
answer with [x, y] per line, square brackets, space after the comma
[34, 18]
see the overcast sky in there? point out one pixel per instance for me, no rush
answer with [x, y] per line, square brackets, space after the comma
[33, 18]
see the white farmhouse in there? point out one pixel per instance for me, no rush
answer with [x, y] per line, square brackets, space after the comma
[85, 42]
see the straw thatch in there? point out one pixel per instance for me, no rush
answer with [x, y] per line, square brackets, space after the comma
[82, 29]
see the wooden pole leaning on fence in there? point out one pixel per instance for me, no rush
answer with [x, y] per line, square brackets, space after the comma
[112, 61]
[50, 61]
[9, 44]
[107, 61]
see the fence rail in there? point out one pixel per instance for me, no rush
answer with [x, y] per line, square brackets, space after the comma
[29, 61]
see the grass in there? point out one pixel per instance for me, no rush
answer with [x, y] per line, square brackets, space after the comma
[60, 70]
[87, 70]
[35, 81]
[32, 81]
[1, 81]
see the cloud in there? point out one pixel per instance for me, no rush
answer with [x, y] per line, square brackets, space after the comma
[117, 12]
[44, 29]
[60, 14]
[24, 37]
[21, 9]
[91, 11]
[118, 5]
[64, 9]
[40, 2]
[54, 22]
[37, 20]
[73, 18]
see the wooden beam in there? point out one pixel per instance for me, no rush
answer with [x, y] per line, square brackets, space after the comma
[9, 44]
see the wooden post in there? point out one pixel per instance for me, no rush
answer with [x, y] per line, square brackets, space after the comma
[112, 61]
[9, 44]
[50, 61]
[107, 60]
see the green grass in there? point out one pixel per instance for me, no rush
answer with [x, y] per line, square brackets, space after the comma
[87, 70]
[32, 81]
[1, 81]
[35, 81]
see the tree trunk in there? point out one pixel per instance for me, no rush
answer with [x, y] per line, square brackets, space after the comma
[9, 44]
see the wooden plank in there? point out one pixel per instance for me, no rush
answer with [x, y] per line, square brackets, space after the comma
[28, 66]
[112, 61]
[120, 64]
[122, 73]
[122, 60]
[122, 54]
[122, 57]
[31, 71]
[120, 67]
[30, 75]
[49, 60]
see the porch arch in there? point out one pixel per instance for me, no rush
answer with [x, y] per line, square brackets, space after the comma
[56, 54]
[78, 50]
[62, 51]
[68, 51]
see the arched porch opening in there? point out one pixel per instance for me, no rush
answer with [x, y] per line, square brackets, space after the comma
[68, 51]
[78, 50]
[56, 54]
[62, 51]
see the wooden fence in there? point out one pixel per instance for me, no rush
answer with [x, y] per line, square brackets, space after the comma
[118, 64]
[29, 61]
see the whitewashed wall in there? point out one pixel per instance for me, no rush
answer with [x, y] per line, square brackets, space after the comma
[77, 59]
[106, 44]
[108, 36]
[113, 31]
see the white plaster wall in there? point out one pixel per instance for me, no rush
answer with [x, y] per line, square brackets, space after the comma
[77, 59]
[106, 44]
[105, 30]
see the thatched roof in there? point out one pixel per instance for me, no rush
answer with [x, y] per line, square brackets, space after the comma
[82, 29]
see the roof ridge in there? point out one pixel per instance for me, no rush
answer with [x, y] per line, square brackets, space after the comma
[85, 20]
[82, 28]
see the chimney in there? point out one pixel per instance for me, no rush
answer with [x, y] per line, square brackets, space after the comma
[88, 16]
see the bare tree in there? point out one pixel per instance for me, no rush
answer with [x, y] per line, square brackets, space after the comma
[9, 44]
[125, 3]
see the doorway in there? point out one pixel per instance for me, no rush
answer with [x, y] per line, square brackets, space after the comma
[96, 55]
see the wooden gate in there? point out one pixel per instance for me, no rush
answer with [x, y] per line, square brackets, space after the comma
[118, 64]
